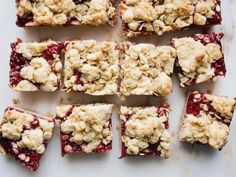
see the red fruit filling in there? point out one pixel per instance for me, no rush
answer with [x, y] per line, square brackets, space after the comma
[34, 157]
[196, 104]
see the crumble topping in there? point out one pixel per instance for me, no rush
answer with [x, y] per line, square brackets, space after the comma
[222, 105]
[25, 131]
[146, 69]
[143, 128]
[89, 126]
[91, 67]
[196, 60]
[40, 72]
[148, 16]
[204, 129]
[65, 12]
[207, 119]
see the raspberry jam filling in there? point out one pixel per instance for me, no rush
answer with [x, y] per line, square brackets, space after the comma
[34, 157]
[17, 62]
[151, 150]
[196, 102]
[23, 20]
[76, 148]
[78, 80]
[52, 50]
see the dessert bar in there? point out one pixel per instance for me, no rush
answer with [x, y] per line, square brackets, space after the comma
[24, 136]
[144, 131]
[91, 67]
[85, 128]
[141, 17]
[199, 58]
[35, 66]
[65, 12]
[146, 69]
[206, 119]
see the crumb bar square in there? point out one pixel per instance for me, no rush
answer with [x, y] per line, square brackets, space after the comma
[144, 131]
[199, 58]
[141, 17]
[91, 67]
[35, 66]
[146, 69]
[24, 136]
[206, 119]
[85, 128]
[65, 12]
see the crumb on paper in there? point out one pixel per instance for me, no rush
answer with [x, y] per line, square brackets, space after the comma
[16, 101]
[61, 100]
[50, 115]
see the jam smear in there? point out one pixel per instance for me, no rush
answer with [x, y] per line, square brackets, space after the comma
[26, 18]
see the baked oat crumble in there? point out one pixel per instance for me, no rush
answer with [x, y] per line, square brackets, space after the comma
[91, 67]
[24, 136]
[140, 17]
[85, 128]
[65, 12]
[35, 66]
[198, 60]
[144, 131]
[146, 69]
[207, 119]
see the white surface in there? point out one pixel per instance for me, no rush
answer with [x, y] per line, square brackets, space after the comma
[183, 162]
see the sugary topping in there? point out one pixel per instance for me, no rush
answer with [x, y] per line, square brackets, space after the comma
[26, 130]
[196, 60]
[148, 16]
[224, 106]
[91, 67]
[42, 68]
[207, 119]
[146, 69]
[143, 128]
[65, 12]
[88, 125]
[204, 130]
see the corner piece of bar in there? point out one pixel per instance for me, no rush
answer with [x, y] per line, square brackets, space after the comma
[206, 119]
[24, 136]
[200, 58]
